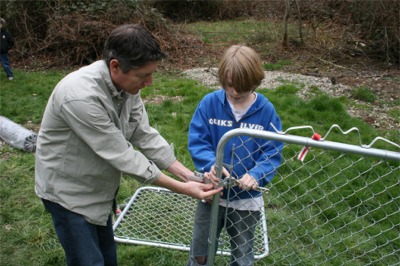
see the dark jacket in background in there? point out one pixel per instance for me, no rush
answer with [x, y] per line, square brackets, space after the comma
[6, 41]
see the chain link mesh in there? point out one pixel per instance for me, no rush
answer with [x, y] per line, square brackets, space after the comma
[158, 217]
[335, 208]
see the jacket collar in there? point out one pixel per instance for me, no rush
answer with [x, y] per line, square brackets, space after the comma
[105, 74]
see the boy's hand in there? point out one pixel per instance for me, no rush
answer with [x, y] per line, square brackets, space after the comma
[212, 175]
[248, 182]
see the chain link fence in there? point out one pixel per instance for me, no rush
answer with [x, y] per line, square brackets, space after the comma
[336, 204]
[157, 217]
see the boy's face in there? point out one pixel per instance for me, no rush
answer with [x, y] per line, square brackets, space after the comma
[236, 97]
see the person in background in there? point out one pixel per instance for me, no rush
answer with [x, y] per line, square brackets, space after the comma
[94, 129]
[236, 105]
[6, 43]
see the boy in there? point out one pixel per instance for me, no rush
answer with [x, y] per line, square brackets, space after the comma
[254, 164]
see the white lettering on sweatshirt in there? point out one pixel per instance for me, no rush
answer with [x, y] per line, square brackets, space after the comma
[251, 126]
[219, 122]
[229, 123]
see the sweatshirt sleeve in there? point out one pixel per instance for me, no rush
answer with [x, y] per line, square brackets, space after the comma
[271, 152]
[200, 142]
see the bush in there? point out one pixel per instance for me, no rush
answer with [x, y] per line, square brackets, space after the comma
[66, 33]
[69, 32]
[371, 28]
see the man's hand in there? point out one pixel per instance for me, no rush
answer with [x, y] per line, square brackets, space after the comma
[201, 191]
[194, 189]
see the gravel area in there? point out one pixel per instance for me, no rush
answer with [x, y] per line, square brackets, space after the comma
[274, 79]
[376, 115]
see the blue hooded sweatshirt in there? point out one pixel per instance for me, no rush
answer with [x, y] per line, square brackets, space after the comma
[260, 158]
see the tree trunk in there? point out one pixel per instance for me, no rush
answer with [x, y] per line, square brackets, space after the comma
[299, 20]
[285, 22]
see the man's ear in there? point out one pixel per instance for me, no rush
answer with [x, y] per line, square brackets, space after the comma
[114, 68]
[114, 65]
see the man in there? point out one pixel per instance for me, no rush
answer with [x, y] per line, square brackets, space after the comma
[95, 127]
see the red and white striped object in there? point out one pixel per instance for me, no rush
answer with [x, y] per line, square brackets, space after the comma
[305, 149]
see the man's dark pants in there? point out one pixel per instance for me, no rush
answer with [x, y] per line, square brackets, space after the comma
[85, 244]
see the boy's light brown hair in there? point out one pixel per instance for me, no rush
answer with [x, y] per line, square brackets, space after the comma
[241, 67]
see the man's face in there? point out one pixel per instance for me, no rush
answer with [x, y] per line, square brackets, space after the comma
[135, 79]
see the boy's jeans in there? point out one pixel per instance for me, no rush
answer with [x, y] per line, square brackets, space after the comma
[240, 226]
[85, 244]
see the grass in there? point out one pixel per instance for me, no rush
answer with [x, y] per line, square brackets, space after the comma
[277, 66]
[261, 35]
[24, 98]
[364, 94]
